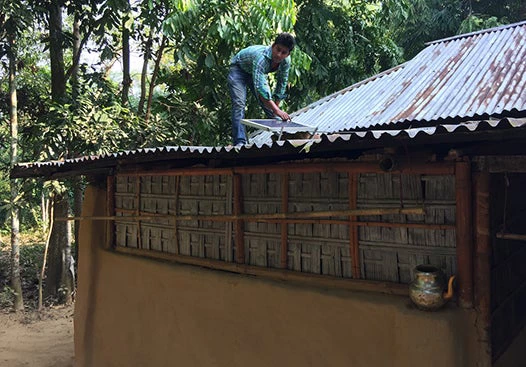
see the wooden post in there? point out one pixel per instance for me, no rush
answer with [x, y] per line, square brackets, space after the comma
[238, 210]
[464, 233]
[138, 209]
[353, 229]
[110, 211]
[284, 225]
[176, 211]
[229, 253]
[482, 262]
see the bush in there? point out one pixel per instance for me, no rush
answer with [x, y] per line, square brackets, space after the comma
[7, 297]
[31, 257]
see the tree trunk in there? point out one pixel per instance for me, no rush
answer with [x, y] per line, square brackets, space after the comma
[78, 45]
[78, 195]
[44, 208]
[16, 281]
[126, 78]
[76, 182]
[158, 58]
[44, 263]
[76, 56]
[147, 55]
[56, 53]
[60, 278]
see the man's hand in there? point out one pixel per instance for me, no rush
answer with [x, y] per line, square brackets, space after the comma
[274, 106]
[283, 115]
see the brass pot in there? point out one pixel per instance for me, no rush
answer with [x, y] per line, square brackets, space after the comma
[427, 288]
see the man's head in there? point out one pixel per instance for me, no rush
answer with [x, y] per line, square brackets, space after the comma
[285, 39]
[282, 46]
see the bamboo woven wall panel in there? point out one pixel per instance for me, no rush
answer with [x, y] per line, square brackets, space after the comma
[203, 195]
[126, 233]
[386, 253]
[262, 195]
[391, 254]
[312, 248]
[319, 248]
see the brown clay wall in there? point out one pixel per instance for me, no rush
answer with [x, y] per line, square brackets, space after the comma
[137, 312]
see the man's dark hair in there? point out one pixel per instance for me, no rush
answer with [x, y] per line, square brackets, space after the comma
[286, 39]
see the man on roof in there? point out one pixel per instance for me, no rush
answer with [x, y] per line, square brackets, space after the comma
[249, 68]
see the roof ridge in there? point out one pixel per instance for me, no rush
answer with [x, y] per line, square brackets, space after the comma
[488, 30]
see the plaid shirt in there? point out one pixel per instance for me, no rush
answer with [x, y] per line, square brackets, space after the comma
[257, 61]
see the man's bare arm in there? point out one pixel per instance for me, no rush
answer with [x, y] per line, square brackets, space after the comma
[270, 104]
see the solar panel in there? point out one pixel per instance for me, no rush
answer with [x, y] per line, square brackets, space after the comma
[277, 125]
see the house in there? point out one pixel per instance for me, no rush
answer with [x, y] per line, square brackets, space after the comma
[300, 252]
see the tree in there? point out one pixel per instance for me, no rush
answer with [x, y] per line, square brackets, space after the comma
[202, 37]
[506, 11]
[413, 23]
[60, 278]
[347, 43]
[15, 223]
[12, 23]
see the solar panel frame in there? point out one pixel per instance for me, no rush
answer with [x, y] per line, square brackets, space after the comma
[277, 125]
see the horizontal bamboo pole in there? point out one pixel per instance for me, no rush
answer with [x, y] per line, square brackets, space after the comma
[406, 225]
[324, 281]
[442, 168]
[324, 221]
[359, 224]
[511, 236]
[429, 226]
[294, 215]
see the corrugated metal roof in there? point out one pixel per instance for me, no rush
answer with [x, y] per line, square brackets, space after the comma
[468, 76]
[476, 75]
[351, 140]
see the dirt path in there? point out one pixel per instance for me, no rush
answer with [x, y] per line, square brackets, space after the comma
[40, 340]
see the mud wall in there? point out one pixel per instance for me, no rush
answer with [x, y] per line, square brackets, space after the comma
[137, 312]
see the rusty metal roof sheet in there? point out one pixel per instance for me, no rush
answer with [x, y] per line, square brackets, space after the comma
[469, 76]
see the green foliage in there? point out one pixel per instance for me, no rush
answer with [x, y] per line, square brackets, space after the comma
[420, 21]
[346, 42]
[93, 122]
[204, 35]
[31, 257]
[181, 122]
[475, 23]
[413, 23]
[7, 297]
[505, 11]
[27, 200]
[16, 17]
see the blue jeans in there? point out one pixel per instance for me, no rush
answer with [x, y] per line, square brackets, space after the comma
[238, 81]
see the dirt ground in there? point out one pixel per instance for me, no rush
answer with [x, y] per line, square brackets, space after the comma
[37, 339]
